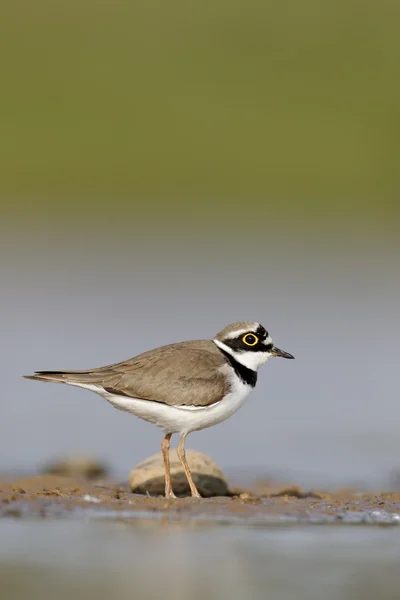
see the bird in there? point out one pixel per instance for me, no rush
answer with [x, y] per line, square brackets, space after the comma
[181, 387]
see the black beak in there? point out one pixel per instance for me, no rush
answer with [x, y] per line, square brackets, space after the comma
[277, 352]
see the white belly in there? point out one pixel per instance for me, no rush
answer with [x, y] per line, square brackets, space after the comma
[179, 419]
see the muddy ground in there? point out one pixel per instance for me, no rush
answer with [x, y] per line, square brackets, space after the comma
[59, 496]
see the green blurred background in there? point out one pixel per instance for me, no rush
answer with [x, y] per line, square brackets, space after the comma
[117, 105]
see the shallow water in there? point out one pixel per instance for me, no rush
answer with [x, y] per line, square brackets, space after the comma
[150, 558]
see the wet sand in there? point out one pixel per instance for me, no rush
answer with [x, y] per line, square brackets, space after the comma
[59, 496]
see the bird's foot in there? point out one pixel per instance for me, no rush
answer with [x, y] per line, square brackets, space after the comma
[170, 494]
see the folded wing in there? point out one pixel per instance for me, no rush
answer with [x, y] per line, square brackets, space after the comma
[183, 374]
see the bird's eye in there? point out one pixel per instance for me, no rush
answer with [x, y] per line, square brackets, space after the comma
[250, 339]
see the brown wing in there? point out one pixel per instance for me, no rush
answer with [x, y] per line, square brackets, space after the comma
[182, 374]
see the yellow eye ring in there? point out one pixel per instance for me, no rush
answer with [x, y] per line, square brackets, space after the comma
[250, 339]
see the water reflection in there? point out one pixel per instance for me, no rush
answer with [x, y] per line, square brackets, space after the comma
[149, 559]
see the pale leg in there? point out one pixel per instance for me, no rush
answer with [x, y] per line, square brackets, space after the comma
[165, 451]
[182, 458]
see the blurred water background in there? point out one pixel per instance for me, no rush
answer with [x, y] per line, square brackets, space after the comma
[168, 168]
[329, 417]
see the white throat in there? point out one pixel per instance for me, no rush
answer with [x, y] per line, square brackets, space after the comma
[251, 360]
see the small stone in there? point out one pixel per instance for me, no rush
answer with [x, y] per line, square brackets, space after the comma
[244, 495]
[249, 498]
[89, 498]
[295, 492]
[81, 467]
[148, 477]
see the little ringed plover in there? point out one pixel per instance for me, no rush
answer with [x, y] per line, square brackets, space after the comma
[181, 387]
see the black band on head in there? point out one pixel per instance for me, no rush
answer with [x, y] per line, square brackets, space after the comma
[262, 332]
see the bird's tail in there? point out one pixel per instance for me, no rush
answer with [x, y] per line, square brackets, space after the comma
[60, 376]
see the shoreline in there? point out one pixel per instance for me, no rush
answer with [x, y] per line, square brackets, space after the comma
[55, 496]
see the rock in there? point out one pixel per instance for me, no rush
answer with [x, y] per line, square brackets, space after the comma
[149, 476]
[81, 467]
